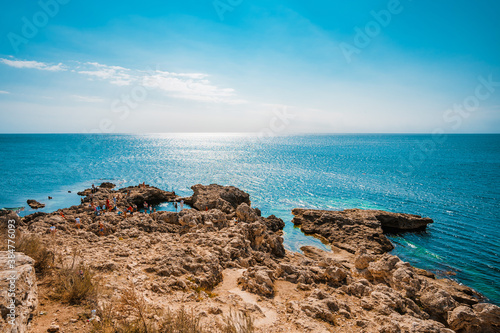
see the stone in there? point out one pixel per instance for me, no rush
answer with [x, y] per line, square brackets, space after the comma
[347, 230]
[35, 204]
[26, 293]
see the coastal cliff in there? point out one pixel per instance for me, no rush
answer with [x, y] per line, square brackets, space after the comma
[226, 264]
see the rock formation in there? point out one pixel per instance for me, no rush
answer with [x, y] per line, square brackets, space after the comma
[35, 204]
[222, 255]
[17, 283]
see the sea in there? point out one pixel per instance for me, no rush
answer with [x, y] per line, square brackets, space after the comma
[453, 179]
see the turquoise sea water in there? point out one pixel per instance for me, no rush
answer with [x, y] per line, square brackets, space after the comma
[455, 181]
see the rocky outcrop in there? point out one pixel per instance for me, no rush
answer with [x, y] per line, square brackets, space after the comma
[347, 229]
[18, 284]
[258, 280]
[107, 185]
[35, 204]
[223, 254]
[480, 318]
[351, 228]
[225, 198]
[395, 221]
[152, 195]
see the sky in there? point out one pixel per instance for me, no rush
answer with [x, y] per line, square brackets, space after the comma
[271, 67]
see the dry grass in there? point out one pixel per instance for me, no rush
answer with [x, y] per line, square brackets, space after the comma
[237, 322]
[74, 283]
[132, 314]
[33, 247]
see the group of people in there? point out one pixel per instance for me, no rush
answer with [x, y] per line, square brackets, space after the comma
[181, 204]
[110, 206]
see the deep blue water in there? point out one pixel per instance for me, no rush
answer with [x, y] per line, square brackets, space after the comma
[455, 181]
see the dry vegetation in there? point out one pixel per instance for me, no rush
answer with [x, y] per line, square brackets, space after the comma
[132, 314]
[74, 283]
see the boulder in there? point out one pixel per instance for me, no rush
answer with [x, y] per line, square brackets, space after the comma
[258, 280]
[35, 204]
[245, 213]
[107, 185]
[26, 294]
[216, 196]
[272, 222]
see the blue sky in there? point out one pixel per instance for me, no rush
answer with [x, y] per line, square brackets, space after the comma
[249, 65]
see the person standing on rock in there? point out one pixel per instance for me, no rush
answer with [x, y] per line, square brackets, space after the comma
[175, 205]
[53, 230]
[101, 229]
[182, 204]
[78, 222]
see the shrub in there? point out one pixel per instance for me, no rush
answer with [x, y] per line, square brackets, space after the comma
[33, 247]
[74, 285]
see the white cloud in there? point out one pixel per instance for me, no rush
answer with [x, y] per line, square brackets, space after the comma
[88, 99]
[192, 86]
[4, 92]
[115, 74]
[33, 64]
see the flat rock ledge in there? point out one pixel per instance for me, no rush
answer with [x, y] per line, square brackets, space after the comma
[351, 228]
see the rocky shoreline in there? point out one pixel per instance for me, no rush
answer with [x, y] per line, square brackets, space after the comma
[222, 255]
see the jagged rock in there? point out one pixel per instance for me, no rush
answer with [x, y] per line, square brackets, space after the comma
[359, 288]
[396, 221]
[489, 314]
[107, 185]
[463, 319]
[322, 306]
[246, 214]
[406, 280]
[272, 222]
[149, 194]
[26, 294]
[258, 280]
[396, 323]
[382, 268]
[168, 217]
[387, 301]
[335, 275]
[345, 229]
[363, 260]
[437, 302]
[35, 204]
[210, 196]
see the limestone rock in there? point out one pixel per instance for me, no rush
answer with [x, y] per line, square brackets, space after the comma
[26, 294]
[258, 280]
[345, 229]
[35, 204]
[210, 196]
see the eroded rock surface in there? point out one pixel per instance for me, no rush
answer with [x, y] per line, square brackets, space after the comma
[223, 254]
[17, 283]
